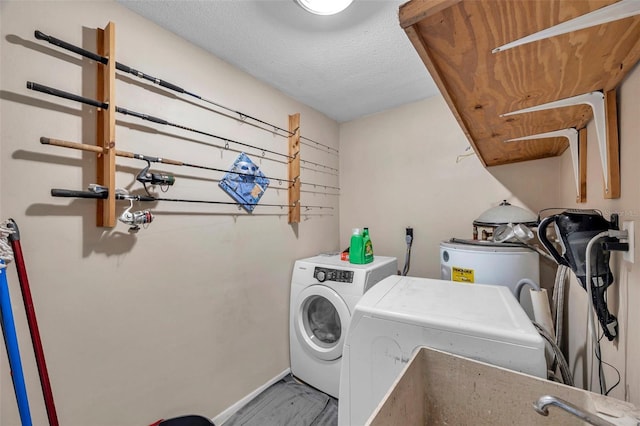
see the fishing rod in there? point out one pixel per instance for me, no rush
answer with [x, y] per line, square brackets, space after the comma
[145, 217]
[121, 67]
[101, 192]
[147, 158]
[105, 105]
[320, 165]
[315, 185]
[318, 143]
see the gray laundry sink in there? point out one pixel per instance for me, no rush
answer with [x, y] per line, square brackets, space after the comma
[437, 388]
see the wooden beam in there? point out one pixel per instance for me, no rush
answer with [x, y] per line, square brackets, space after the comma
[106, 129]
[415, 11]
[582, 166]
[613, 145]
[294, 168]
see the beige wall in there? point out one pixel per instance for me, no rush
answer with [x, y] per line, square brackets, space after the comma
[189, 315]
[399, 169]
[624, 294]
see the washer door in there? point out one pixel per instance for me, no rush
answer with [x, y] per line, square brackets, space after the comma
[321, 322]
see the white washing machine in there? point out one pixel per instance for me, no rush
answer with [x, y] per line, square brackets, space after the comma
[482, 322]
[324, 292]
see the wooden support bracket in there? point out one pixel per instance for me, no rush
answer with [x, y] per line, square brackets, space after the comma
[578, 148]
[613, 12]
[106, 128]
[611, 170]
[294, 168]
[582, 165]
[605, 117]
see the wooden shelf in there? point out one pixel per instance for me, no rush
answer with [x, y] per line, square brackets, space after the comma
[455, 39]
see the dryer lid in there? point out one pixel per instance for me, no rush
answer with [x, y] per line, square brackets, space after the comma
[485, 311]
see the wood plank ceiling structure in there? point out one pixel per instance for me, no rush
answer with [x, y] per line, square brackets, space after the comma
[455, 39]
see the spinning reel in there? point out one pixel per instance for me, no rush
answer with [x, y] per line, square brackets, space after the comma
[136, 218]
[165, 180]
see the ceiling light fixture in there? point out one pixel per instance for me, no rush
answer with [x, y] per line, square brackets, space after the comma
[324, 7]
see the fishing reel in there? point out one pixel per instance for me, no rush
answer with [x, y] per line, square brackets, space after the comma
[136, 218]
[163, 179]
[133, 219]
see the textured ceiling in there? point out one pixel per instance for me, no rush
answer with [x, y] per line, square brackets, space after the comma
[348, 65]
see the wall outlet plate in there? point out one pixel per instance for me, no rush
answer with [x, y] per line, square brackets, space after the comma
[629, 256]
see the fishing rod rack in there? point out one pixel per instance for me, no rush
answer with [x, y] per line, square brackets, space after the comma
[105, 143]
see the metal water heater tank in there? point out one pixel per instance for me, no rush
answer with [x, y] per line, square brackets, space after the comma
[488, 263]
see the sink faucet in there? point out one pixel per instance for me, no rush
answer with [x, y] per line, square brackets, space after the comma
[544, 401]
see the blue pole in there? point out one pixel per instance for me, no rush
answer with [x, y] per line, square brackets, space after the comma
[11, 342]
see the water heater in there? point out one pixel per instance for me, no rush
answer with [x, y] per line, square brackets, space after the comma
[488, 263]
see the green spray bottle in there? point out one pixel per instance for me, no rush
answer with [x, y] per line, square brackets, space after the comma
[356, 248]
[368, 246]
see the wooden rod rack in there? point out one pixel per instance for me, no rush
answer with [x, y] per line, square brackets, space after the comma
[106, 137]
[106, 128]
[294, 168]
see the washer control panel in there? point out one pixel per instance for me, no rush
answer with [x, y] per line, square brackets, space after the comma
[338, 275]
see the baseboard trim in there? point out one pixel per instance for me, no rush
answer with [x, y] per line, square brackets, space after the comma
[227, 413]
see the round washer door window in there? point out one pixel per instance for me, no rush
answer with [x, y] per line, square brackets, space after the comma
[321, 322]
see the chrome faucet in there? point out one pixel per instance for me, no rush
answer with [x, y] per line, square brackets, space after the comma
[544, 401]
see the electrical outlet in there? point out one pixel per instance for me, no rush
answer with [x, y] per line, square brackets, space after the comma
[629, 255]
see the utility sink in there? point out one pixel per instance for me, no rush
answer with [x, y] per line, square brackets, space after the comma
[437, 388]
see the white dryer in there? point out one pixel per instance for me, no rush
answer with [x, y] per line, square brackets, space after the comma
[482, 322]
[324, 292]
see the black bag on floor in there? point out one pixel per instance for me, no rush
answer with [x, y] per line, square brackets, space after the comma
[190, 420]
